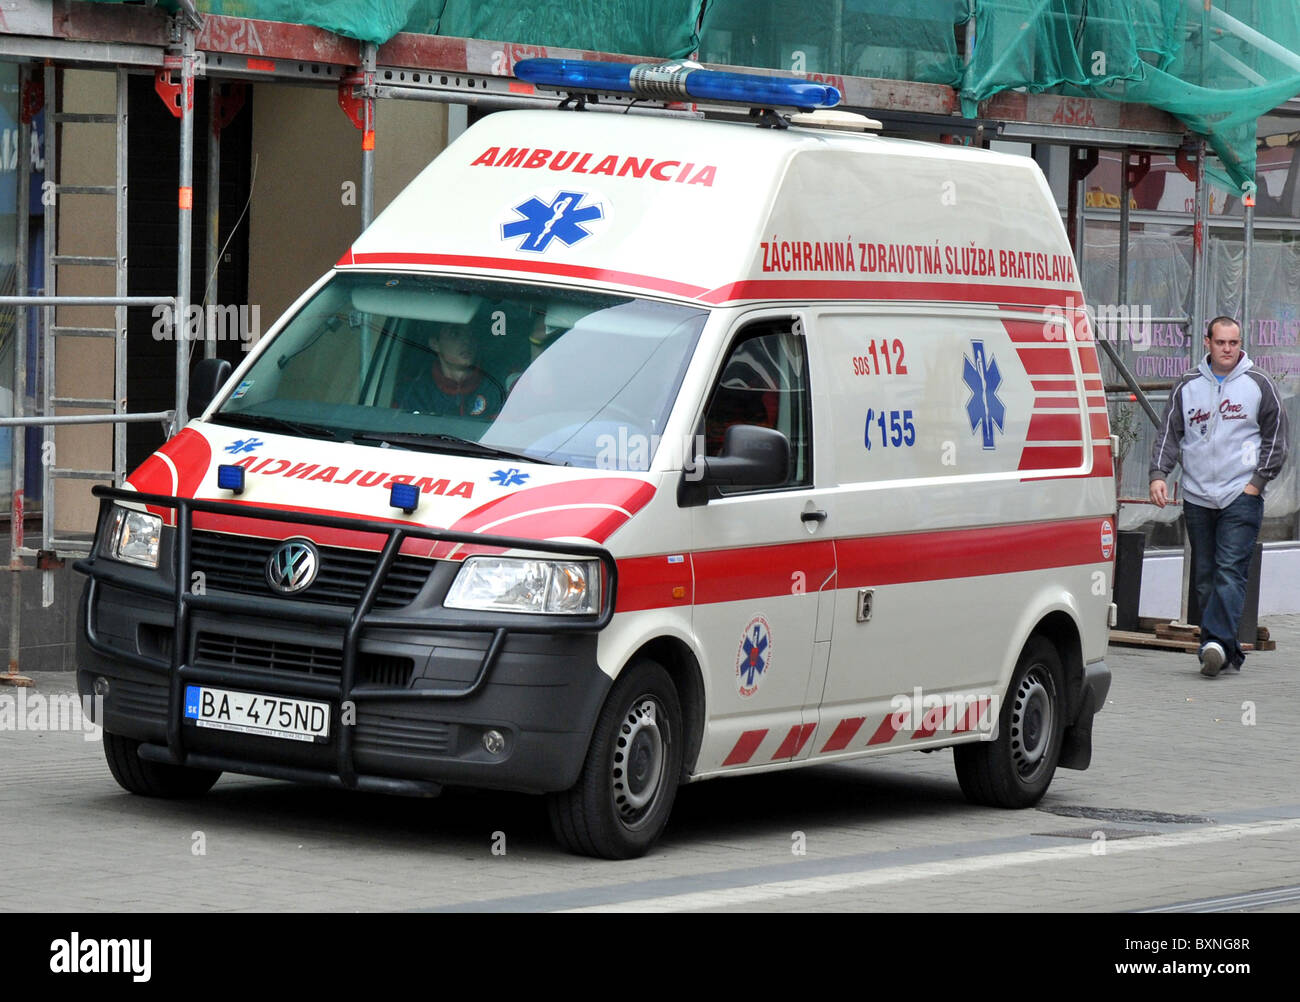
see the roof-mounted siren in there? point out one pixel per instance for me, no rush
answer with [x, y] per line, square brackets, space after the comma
[680, 80]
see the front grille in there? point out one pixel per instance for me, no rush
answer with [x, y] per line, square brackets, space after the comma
[218, 651]
[238, 564]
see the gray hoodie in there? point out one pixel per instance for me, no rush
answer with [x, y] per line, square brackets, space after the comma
[1227, 434]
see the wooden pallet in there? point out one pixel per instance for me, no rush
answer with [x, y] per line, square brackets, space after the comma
[1169, 635]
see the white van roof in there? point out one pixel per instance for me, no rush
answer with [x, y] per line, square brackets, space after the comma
[720, 212]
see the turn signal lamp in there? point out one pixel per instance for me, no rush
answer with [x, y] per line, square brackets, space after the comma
[680, 80]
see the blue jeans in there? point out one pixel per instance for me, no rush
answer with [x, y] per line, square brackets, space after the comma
[1223, 541]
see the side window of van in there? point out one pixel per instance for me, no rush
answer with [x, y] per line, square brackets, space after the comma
[764, 381]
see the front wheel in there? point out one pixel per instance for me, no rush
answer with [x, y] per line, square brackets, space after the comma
[621, 801]
[1015, 769]
[153, 779]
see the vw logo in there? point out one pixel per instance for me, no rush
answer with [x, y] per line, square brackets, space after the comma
[292, 566]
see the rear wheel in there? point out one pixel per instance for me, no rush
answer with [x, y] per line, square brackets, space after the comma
[623, 796]
[153, 779]
[1016, 768]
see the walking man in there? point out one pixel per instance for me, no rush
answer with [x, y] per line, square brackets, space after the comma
[1225, 422]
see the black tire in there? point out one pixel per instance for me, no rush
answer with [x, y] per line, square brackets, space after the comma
[153, 779]
[1016, 769]
[625, 792]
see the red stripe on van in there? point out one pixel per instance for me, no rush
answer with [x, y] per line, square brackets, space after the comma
[1055, 428]
[1100, 426]
[889, 727]
[794, 741]
[406, 260]
[962, 553]
[1051, 457]
[649, 583]
[973, 714]
[956, 292]
[761, 571]
[1088, 359]
[842, 734]
[1044, 403]
[1101, 467]
[1064, 384]
[240, 525]
[1046, 361]
[745, 748]
[518, 514]
[931, 722]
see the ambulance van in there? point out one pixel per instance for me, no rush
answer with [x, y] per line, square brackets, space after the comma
[622, 452]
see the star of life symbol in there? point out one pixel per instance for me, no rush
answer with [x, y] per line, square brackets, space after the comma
[245, 445]
[562, 220]
[754, 656]
[984, 408]
[509, 478]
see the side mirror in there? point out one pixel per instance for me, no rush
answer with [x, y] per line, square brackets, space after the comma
[206, 379]
[752, 456]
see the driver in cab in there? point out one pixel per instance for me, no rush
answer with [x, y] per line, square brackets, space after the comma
[453, 385]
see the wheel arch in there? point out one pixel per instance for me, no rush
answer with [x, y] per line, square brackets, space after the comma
[683, 668]
[1061, 630]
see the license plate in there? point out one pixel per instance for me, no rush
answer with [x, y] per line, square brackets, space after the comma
[254, 713]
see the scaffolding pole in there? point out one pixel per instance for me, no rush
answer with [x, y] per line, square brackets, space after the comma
[1247, 245]
[18, 467]
[210, 284]
[1200, 234]
[369, 55]
[1111, 352]
[185, 235]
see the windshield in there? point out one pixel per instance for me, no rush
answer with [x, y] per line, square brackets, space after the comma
[550, 374]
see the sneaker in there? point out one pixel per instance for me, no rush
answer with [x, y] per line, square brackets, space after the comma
[1231, 668]
[1212, 658]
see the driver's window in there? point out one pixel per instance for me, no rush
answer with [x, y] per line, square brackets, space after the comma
[764, 381]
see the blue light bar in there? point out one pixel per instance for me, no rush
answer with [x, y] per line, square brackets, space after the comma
[230, 478]
[677, 81]
[404, 496]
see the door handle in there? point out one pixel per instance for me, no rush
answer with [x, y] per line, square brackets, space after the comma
[813, 516]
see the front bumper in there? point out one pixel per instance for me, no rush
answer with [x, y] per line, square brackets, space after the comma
[412, 692]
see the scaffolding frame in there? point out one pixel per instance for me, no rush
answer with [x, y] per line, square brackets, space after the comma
[479, 73]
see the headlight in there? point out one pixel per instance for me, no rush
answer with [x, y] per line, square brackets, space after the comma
[133, 537]
[512, 584]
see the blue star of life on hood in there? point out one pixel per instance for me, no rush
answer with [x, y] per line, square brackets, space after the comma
[245, 445]
[984, 408]
[562, 220]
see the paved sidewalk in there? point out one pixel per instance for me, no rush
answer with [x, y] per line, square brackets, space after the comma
[1175, 754]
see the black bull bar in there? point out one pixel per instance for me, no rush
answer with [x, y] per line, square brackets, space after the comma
[353, 620]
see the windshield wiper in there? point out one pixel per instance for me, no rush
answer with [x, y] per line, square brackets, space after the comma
[435, 442]
[268, 423]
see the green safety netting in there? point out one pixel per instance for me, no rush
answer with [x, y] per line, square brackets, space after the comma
[664, 28]
[1216, 68]
[896, 39]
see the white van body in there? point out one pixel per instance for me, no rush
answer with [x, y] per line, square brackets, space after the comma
[933, 568]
